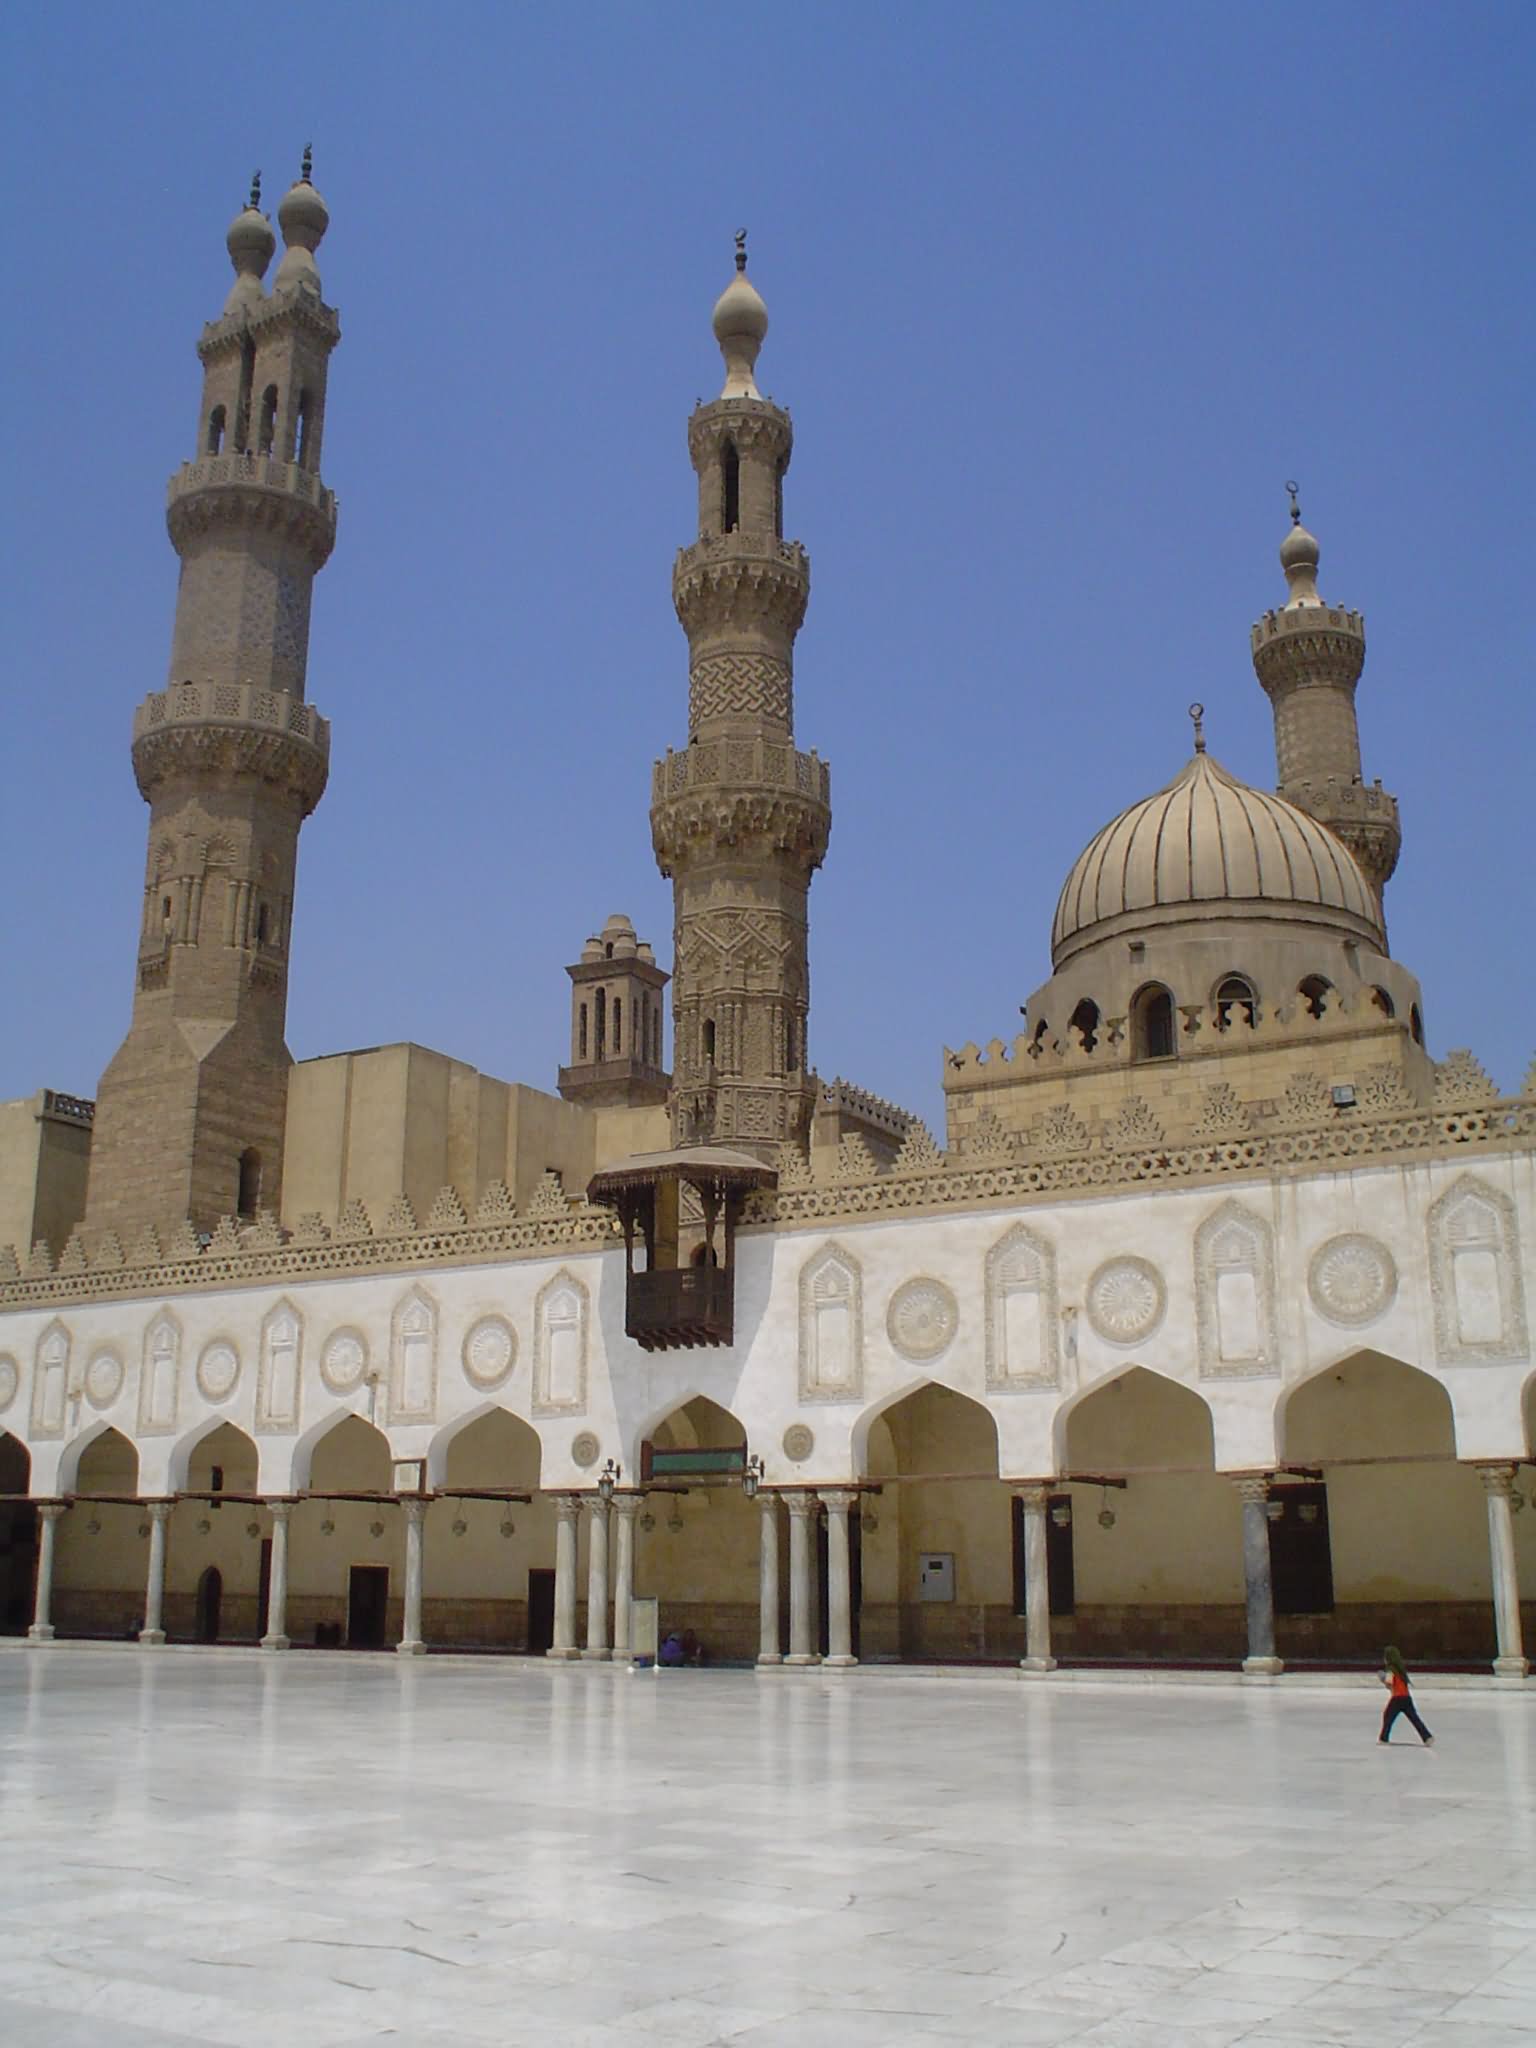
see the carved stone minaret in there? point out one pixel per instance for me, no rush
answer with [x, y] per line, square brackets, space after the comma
[740, 818]
[230, 759]
[616, 1022]
[1308, 656]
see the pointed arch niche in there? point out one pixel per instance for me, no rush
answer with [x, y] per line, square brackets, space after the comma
[831, 1326]
[280, 1371]
[1023, 1324]
[101, 1556]
[50, 1381]
[1235, 1295]
[561, 1317]
[160, 1375]
[1474, 1275]
[413, 1358]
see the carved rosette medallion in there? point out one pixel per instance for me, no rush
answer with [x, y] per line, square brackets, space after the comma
[585, 1449]
[218, 1370]
[490, 1352]
[922, 1319]
[103, 1379]
[1352, 1280]
[10, 1380]
[799, 1442]
[344, 1360]
[1126, 1299]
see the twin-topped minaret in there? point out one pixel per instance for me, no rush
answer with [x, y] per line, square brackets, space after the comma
[1308, 656]
[230, 759]
[740, 818]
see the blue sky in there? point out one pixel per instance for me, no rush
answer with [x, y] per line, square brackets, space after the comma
[1059, 296]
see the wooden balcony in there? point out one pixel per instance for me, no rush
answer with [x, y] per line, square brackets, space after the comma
[679, 1309]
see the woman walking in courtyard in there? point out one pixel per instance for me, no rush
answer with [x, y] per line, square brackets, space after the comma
[1394, 1677]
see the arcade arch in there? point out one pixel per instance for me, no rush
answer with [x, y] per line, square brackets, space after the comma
[488, 1564]
[696, 1533]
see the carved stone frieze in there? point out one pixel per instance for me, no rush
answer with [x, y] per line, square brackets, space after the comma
[218, 1369]
[489, 1352]
[344, 1360]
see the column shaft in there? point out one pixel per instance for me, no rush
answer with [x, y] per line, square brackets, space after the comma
[802, 1510]
[48, 1514]
[597, 1580]
[567, 1508]
[839, 1581]
[1261, 1661]
[768, 1651]
[626, 1508]
[1499, 1485]
[1037, 1581]
[276, 1637]
[152, 1634]
[410, 1643]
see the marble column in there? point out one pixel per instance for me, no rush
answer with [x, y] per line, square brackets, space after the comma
[768, 1579]
[1037, 1580]
[1261, 1661]
[804, 1509]
[152, 1634]
[839, 1581]
[626, 1510]
[276, 1637]
[567, 1512]
[1498, 1485]
[48, 1513]
[410, 1643]
[597, 1580]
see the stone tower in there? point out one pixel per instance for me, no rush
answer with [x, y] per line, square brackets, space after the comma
[230, 759]
[1308, 656]
[740, 818]
[616, 1022]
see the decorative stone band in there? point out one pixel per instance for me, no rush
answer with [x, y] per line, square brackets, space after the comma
[1503, 1126]
[739, 577]
[239, 728]
[750, 423]
[251, 490]
[1311, 644]
[1363, 815]
[224, 337]
[740, 792]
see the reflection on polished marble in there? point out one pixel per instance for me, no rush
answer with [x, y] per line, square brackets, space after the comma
[318, 1850]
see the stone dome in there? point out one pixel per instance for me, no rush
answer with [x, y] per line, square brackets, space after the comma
[1205, 842]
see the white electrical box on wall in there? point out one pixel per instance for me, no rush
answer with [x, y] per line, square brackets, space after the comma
[936, 1575]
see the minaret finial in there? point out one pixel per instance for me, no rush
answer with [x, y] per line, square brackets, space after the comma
[309, 164]
[741, 321]
[741, 249]
[254, 202]
[1294, 488]
[1197, 718]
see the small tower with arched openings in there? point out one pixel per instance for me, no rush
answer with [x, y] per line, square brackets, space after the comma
[230, 757]
[617, 1022]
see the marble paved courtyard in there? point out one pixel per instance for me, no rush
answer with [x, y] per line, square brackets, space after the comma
[323, 1849]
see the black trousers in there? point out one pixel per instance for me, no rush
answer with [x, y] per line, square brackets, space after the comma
[1402, 1706]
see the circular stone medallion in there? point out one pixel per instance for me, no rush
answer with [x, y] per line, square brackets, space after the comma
[584, 1449]
[490, 1351]
[922, 1318]
[1126, 1300]
[103, 1379]
[799, 1443]
[1352, 1279]
[344, 1360]
[218, 1370]
[10, 1380]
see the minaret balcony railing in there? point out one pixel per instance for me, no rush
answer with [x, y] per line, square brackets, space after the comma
[234, 704]
[263, 472]
[1306, 618]
[742, 547]
[752, 763]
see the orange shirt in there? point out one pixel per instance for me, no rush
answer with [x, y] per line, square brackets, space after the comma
[1399, 1686]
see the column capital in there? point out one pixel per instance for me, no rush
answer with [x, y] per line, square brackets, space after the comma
[1035, 1493]
[802, 1505]
[415, 1508]
[50, 1510]
[568, 1507]
[280, 1508]
[1497, 1479]
[839, 1499]
[627, 1505]
[1251, 1486]
[159, 1510]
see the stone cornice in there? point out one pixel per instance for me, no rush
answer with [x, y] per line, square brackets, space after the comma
[251, 490]
[237, 729]
[740, 576]
[292, 309]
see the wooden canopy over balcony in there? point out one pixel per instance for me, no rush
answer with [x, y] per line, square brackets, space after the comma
[671, 1302]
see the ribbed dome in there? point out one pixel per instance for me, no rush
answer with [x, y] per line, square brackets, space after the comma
[1209, 839]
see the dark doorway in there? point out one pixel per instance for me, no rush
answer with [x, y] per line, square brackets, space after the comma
[541, 1612]
[18, 1565]
[1060, 1570]
[210, 1598]
[367, 1602]
[855, 1581]
[264, 1588]
[1300, 1555]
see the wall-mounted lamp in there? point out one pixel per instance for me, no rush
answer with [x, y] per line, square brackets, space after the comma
[675, 1519]
[647, 1521]
[1061, 1515]
[327, 1527]
[375, 1529]
[752, 1476]
[869, 1521]
[509, 1527]
[460, 1526]
[608, 1479]
[93, 1527]
[143, 1528]
[204, 1526]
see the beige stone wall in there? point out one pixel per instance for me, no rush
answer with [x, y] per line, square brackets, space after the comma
[44, 1164]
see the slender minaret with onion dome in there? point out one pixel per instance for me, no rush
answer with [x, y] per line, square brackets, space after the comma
[740, 817]
[1308, 656]
[230, 757]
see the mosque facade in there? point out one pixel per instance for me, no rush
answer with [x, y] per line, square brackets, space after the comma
[1203, 1336]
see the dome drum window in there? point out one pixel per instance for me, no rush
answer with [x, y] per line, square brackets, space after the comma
[1152, 1026]
[1236, 1003]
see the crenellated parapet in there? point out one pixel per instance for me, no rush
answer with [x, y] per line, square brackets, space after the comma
[1315, 644]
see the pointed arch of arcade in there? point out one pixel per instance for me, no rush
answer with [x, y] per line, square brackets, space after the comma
[699, 1557]
[489, 1537]
[301, 1470]
[1369, 1443]
[96, 1461]
[1134, 1375]
[218, 1434]
[476, 1429]
[874, 1428]
[1528, 1404]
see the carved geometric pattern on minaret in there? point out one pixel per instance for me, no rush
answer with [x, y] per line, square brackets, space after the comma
[740, 686]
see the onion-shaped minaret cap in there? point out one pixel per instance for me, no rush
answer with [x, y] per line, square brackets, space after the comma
[740, 322]
[303, 218]
[250, 243]
[1299, 556]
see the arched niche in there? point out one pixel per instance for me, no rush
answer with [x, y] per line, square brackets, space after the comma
[928, 1429]
[346, 1455]
[698, 1424]
[490, 1448]
[1138, 1418]
[101, 1461]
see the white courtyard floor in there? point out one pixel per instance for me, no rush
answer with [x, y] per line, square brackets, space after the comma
[317, 1850]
